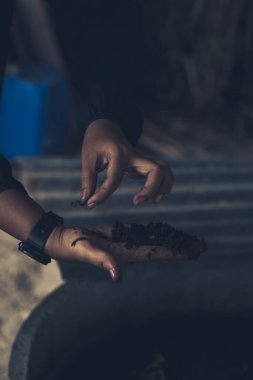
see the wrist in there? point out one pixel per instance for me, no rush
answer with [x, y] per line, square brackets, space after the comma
[104, 128]
[54, 243]
[34, 245]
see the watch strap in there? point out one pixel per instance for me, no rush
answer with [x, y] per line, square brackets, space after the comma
[41, 232]
[35, 244]
[34, 253]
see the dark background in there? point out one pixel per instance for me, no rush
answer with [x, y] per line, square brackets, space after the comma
[198, 57]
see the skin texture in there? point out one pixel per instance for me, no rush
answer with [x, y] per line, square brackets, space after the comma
[94, 246]
[18, 213]
[105, 147]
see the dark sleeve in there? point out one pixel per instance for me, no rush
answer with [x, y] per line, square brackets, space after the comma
[102, 45]
[7, 181]
[6, 12]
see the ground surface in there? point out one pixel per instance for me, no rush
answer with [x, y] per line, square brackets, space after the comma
[23, 282]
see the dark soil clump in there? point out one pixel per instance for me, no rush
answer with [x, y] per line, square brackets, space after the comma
[159, 234]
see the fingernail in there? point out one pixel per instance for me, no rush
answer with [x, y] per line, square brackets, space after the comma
[91, 205]
[159, 198]
[84, 196]
[112, 274]
[139, 200]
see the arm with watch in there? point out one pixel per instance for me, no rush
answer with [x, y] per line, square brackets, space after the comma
[43, 235]
[102, 62]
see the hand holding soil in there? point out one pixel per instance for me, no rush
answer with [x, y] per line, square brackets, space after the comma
[110, 248]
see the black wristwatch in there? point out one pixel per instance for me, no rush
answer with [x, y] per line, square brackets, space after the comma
[34, 245]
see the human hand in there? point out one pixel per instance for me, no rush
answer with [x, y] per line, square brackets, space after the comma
[95, 246]
[105, 147]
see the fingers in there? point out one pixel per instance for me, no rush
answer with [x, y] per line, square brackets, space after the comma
[105, 261]
[167, 182]
[83, 245]
[154, 174]
[100, 258]
[88, 179]
[158, 183]
[115, 172]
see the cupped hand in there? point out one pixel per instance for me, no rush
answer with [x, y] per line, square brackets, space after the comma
[94, 246]
[105, 147]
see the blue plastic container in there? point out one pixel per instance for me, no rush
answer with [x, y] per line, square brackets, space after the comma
[34, 112]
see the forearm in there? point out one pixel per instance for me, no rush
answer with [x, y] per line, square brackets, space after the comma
[18, 213]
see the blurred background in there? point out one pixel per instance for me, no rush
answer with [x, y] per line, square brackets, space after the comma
[196, 83]
[197, 97]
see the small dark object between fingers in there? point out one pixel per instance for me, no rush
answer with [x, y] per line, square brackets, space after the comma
[78, 203]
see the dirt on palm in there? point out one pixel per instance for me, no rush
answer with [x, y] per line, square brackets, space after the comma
[159, 234]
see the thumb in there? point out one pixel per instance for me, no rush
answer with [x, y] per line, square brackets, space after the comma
[104, 260]
[88, 179]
